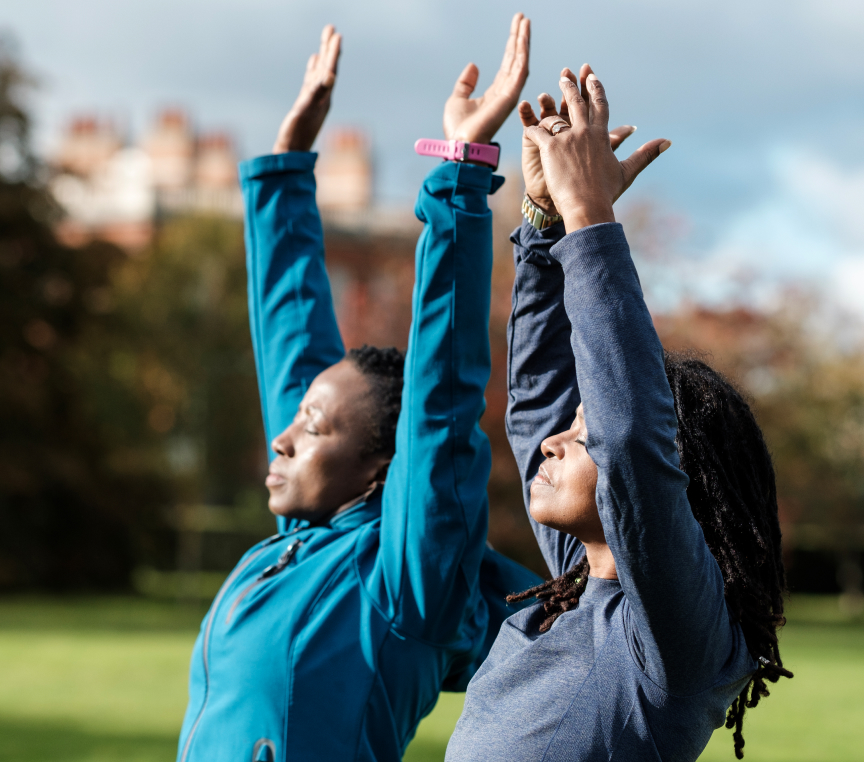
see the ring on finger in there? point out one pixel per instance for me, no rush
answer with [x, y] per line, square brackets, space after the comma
[559, 127]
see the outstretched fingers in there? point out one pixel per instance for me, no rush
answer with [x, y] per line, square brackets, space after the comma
[326, 34]
[598, 106]
[511, 77]
[577, 109]
[527, 115]
[547, 105]
[565, 72]
[620, 134]
[510, 47]
[523, 49]
[641, 158]
[331, 57]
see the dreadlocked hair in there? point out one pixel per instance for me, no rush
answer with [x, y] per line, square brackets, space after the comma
[557, 595]
[733, 496]
[383, 368]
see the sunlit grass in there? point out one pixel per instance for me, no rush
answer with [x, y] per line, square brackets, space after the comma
[105, 679]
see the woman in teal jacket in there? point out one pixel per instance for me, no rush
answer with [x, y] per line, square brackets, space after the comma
[332, 639]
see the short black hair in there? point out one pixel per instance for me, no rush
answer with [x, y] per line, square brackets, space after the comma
[384, 369]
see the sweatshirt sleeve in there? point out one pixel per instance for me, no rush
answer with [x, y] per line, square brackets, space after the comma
[291, 317]
[541, 379]
[677, 616]
[434, 505]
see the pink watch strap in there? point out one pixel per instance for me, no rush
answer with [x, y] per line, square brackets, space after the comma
[456, 150]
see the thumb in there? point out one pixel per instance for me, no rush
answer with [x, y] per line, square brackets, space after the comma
[467, 81]
[641, 158]
[537, 135]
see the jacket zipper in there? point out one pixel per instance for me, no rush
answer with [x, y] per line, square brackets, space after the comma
[270, 571]
[206, 643]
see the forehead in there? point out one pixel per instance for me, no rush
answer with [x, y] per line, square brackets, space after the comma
[340, 392]
[579, 420]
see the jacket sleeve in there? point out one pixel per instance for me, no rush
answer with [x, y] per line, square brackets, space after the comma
[434, 505]
[677, 618]
[294, 331]
[541, 379]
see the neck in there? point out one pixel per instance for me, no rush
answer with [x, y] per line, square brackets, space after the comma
[600, 560]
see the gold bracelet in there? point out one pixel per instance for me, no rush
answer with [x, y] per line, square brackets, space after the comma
[536, 216]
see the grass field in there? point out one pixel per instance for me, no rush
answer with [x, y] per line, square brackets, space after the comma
[100, 680]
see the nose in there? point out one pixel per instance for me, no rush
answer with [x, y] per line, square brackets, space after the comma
[553, 447]
[284, 444]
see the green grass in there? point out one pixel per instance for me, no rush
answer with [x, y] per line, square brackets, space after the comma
[99, 680]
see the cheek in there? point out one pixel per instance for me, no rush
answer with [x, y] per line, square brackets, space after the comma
[572, 501]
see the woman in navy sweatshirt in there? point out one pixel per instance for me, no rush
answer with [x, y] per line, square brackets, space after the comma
[663, 613]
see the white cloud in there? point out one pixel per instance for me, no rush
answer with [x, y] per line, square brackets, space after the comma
[808, 228]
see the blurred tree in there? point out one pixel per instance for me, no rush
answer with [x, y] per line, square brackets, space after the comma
[186, 361]
[66, 515]
[807, 388]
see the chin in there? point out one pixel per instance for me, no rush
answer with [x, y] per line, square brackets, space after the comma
[536, 509]
[280, 504]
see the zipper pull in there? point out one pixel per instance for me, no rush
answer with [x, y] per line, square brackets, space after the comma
[283, 561]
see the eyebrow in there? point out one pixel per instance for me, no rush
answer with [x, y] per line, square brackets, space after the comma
[317, 410]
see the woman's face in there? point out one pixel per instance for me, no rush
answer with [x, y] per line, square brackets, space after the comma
[319, 465]
[563, 492]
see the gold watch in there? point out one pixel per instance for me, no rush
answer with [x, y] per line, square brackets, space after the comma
[536, 216]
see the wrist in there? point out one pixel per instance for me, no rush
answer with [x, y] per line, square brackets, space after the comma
[469, 137]
[286, 146]
[536, 216]
[576, 218]
[544, 203]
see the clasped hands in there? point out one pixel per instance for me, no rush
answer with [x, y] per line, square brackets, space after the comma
[567, 156]
[573, 173]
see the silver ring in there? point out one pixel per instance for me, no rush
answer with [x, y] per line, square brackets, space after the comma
[562, 125]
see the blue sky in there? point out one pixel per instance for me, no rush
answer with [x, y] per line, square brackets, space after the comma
[764, 101]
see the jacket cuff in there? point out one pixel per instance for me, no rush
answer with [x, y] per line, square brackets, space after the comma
[599, 256]
[277, 163]
[529, 237]
[463, 176]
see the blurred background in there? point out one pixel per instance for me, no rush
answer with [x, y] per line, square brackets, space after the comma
[132, 454]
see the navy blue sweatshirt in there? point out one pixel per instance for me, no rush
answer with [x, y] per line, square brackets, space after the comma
[646, 666]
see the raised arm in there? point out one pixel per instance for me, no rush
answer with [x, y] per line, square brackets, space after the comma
[294, 331]
[672, 583]
[435, 509]
[541, 379]
[542, 384]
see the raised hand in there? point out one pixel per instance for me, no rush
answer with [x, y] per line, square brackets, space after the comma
[303, 122]
[476, 120]
[532, 169]
[582, 175]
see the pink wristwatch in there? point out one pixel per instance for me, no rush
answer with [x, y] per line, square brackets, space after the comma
[456, 150]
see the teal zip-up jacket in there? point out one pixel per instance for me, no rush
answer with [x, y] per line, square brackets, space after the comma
[332, 642]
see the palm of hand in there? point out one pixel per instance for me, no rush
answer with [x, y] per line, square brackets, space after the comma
[535, 180]
[476, 120]
[303, 122]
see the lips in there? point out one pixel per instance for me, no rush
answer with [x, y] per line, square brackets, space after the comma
[543, 477]
[274, 480]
